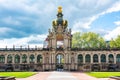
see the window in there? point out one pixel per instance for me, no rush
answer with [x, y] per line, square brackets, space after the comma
[9, 58]
[17, 59]
[32, 58]
[24, 59]
[87, 58]
[111, 58]
[95, 58]
[39, 59]
[118, 58]
[2, 59]
[103, 58]
[80, 58]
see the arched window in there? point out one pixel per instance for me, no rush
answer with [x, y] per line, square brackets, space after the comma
[87, 58]
[95, 58]
[2, 59]
[9, 58]
[80, 58]
[32, 58]
[103, 58]
[24, 58]
[118, 58]
[17, 58]
[39, 59]
[111, 58]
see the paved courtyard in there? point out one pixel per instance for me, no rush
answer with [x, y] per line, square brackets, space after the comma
[61, 76]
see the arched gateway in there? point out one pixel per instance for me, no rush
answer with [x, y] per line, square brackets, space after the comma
[58, 54]
[59, 61]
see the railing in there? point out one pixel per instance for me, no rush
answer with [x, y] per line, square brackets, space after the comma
[59, 49]
[94, 49]
[24, 49]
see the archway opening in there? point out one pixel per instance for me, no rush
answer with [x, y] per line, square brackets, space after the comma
[59, 61]
[2, 59]
[17, 58]
[39, 59]
[80, 59]
[24, 58]
[87, 58]
[32, 58]
[111, 58]
[59, 44]
[118, 58]
[103, 58]
[9, 58]
[95, 58]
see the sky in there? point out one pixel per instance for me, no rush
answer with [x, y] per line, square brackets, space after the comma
[26, 22]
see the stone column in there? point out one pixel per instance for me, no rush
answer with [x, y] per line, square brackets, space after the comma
[20, 58]
[6, 59]
[107, 61]
[84, 58]
[13, 59]
[69, 60]
[28, 58]
[99, 60]
[43, 61]
[54, 60]
[114, 58]
[91, 58]
[76, 62]
[50, 61]
[35, 60]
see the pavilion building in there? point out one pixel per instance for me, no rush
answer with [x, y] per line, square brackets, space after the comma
[58, 54]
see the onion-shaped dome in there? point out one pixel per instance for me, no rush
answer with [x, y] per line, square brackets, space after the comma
[59, 20]
[65, 24]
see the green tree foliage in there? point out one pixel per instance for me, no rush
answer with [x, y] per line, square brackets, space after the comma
[115, 43]
[87, 40]
[76, 40]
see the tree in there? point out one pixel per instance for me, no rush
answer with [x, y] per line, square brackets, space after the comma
[76, 40]
[88, 40]
[118, 41]
[115, 43]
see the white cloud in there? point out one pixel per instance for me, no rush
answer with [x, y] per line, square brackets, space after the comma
[84, 24]
[114, 8]
[28, 6]
[117, 23]
[81, 14]
[10, 20]
[23, 41]
[98, 10]
[101, 31]
[3, 30]
[112, 34]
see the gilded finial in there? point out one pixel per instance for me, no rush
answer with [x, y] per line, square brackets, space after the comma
[60, 9]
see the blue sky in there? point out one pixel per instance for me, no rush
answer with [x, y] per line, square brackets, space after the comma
[26, 22]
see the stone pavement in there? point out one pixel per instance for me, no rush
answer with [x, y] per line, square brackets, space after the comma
[83, 76]
[55, 75]
[38, 76]
[61, 76]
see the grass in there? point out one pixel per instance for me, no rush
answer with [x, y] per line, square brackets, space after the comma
[103, 74]
[17, 74]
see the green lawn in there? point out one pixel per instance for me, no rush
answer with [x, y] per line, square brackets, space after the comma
[103, 74]
[17, 74]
